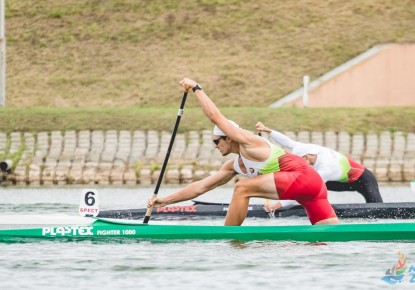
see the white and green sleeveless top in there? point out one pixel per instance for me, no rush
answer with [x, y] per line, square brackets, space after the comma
[254, 168]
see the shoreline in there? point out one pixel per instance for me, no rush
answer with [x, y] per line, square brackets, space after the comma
[124, 158]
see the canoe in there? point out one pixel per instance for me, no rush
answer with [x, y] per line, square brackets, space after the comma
[92, 228]
[403, 210]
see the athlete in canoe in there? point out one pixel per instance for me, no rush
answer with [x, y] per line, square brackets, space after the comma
[273, 173]
[337, 171]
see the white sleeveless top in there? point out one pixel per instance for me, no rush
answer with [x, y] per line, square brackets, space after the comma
[254, 168]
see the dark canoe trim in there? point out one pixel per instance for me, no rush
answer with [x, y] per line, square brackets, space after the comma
[404, 210]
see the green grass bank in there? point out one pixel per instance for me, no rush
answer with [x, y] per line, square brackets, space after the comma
[159, 119]
[123, 53]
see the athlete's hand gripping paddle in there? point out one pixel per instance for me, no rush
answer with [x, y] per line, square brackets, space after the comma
[166, 159]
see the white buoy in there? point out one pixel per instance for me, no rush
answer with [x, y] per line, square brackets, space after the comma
[6, 165]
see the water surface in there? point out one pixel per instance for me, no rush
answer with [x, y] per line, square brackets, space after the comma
[130, 264]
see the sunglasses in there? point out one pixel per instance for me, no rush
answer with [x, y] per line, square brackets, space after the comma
[216, 141]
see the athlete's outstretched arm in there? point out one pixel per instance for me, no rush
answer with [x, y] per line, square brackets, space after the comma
[193, 190]
[216, 117]
[278, 137]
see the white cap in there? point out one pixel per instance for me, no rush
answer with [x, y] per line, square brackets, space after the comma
[219, 132]
[304, 149]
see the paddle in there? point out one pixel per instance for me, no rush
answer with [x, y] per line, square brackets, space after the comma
[166, 159]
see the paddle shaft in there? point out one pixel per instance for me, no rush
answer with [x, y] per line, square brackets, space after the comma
[166, 159]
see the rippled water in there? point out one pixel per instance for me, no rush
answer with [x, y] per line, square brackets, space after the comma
[121, 264]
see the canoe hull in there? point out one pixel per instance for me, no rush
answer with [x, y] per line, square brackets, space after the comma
[328, 233]
[358, 210]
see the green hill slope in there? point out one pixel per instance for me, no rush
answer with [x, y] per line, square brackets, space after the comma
[122, 53]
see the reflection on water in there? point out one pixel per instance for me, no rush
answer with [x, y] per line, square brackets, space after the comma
[120, 264]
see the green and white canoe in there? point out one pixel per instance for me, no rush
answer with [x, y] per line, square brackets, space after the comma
[91, 228]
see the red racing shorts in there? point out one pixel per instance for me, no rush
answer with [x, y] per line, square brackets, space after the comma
[304, 185]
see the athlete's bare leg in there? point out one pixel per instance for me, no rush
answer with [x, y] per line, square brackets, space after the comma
[258, 186]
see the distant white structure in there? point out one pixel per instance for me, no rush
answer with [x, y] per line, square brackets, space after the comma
[306, 81]
[382, 76]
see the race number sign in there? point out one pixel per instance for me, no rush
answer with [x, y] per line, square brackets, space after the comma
[88, 206]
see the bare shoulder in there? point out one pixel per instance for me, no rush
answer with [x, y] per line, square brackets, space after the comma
[248, 138]
[257, 149]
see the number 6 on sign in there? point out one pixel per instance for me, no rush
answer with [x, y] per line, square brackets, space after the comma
[88, 206]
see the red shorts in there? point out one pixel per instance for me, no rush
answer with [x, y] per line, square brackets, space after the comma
[303, 184]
